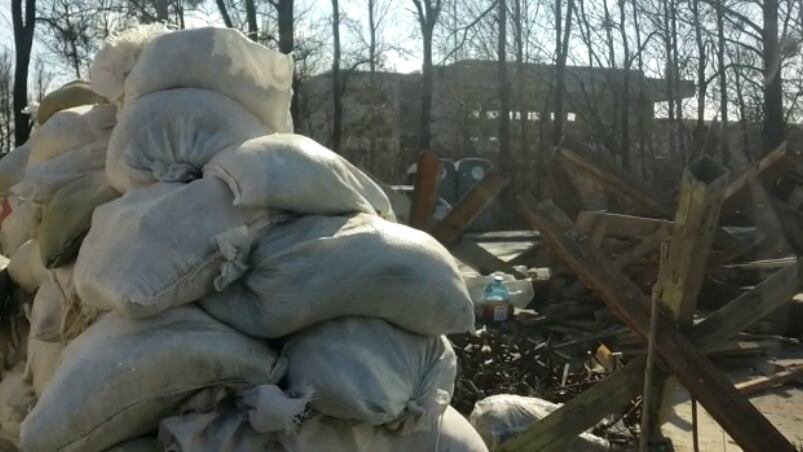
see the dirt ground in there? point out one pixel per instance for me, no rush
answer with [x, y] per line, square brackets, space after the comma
[783, 407]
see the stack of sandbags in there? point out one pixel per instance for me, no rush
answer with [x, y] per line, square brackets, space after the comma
[163, 276]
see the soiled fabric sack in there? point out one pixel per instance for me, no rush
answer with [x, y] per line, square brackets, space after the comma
[43, 180]
[317, 268]
[43, 357]
[12, 167]
[67, 217]
[170, 135]
[370, 371]
[72, 94]
[141, 444]
[500, 417]
[121, 377]
[71, 129]
[163, 246]
[16, 400]
[50, 305]
[26, 269]
[117, 57]
[19, 226]
[295, 173]
[221, 60]
[452, 433]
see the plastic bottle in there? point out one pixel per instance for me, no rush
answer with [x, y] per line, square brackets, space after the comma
[496, 305]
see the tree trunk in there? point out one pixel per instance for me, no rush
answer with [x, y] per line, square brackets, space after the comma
[251, 18]
[162, 11]
[673, 20]
[612, 132]
[224, 13]
[699, 127]
[524, 124]
[560, 70]
[337, 88]
[426, 92]
[23, 41]
[772, 129]
[642, 97]
[743, 125]
[504, 91]
[372, 30]
[724, 141]
[625, 89]
[286, 19]
[670, 83]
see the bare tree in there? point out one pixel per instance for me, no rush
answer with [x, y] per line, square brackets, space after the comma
[504, 90]
[428, 12]
[562, 34]
[337, 87]
[724, 142]
[24, 24]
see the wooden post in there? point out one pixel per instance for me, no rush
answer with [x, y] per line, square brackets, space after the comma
[615, 392]
[448, 230]
[733, 412]
[425, 194]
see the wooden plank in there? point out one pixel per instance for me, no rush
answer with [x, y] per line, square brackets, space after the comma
[619, 225]
[620, 181]
[448, 230]
[737, 191]
[425, 194]
[641, 248]
[587, 409]
[481, 259]
[695, 371]
[767, 382]
[559, 187]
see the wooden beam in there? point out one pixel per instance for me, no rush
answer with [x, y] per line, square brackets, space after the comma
[425, 194]
[650, 201]
[587, 409]
[766, 382]
[448, 230]
[619, 225]
[737, 191]
[695, 371]
[559, 187]
[480, 259]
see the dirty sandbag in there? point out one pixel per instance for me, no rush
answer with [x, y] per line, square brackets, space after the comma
[141, 444]
[221, 60]
[233, 422]
[19, 226]
[43, 357]
[26, 269]
[452, 433]
[16, 400]
[67, 217]
[371, 371]
[163, 246]
[117, 57]
[319, 267]
[50, 304]
[71, 129]
[295, 173]
[500, 417]
[71, 94]
[169, 136]
[12, 167]
[43, 180]
[119, 378]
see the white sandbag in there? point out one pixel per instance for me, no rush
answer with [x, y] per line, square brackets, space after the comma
[295, 173]
[43, 180]
[16, 400]
[371, 371]
[121, 377]
[50, 305]
[43, 357]
[452, 433]
[117, 57]
[164, 246]
[318, 268]
[141, 444]
[500, 417]
[67, 217]
[69, 95]
[170, 135]
[222, 60]
[12, 167]
[26, 269]
[20, 225]
[71, 129]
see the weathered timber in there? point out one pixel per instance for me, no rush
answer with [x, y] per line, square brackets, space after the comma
[709, 386]
[737, 192]
[480, 259]
[641, 248]
[757, 384]
[425, 194]
[650, 201]
[448, 230]
[619, 225]
[560, 188]
[563, 424]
